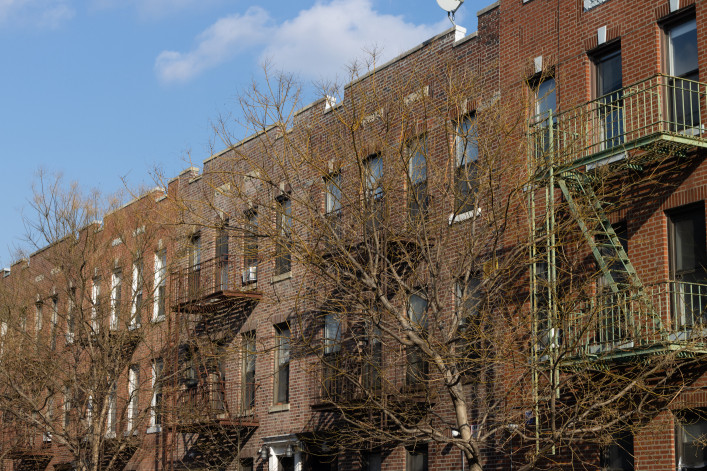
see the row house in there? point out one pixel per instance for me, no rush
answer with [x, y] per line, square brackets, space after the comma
[488, 252]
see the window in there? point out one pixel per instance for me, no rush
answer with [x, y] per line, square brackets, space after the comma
[282, 364]
[136, 308]
[71, 316]
[373, 359]
[544, 132]
[111, 419]
[38, 308]
[610, 99]
[417, 173]
[688, 262]
[54, 321]
[417, 367]
[96, 305]
[619, 455]
[589, 4]
[690, 430]
[374, 191]
[332, 333]
[332, 185]
[331, 373]
[67, 406]
[466, 162]
[133, 388]
[246, 464]
[416, 458]
[683, 99]
[159, 305]
[156, 406]
[249, 371]
[116, 297]
[283, 257]
[194, 269]
[222, 257]
[372, 461]
[250, 249]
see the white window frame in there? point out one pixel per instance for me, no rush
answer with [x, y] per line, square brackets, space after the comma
[116, 286]
[133, 398]
[95, 300]
[160, 282]
[156, 382]
[137, 293]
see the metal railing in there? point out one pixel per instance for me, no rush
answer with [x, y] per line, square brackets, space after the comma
[656, 106]
[203, 279]
[206, 402]
[668, 312]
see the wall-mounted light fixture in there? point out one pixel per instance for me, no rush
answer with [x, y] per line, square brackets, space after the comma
[264, 452]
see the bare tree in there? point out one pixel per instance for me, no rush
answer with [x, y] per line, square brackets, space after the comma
[77, 339]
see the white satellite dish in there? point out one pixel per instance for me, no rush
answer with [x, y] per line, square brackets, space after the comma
[450, 6]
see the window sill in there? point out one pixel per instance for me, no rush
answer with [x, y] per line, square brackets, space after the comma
[154, 429]
[456, 218]
[134, 326]
[282, 277]
[157, 319]
[279, 408]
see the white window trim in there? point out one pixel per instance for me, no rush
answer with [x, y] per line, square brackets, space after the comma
[455, 218]
[136, 290]
[95, 293]
[154, 427]
[160, 280]
[133, 380]
[115, 282]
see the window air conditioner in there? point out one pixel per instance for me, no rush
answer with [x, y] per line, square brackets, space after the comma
[250, 274]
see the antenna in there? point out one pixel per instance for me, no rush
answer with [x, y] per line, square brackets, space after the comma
[451, 7]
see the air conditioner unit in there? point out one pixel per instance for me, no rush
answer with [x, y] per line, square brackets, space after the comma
[250, 274]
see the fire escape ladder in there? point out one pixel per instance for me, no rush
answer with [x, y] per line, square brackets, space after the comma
[619, 274]
[609, 253]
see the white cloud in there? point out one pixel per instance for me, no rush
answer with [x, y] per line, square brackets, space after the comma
[48, 14]
[316, 43]
[218, 43]
[321, 40]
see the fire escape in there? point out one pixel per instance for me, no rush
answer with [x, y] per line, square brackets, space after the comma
[207, 420]
[23, 443]
[577, 161]
[633, 128]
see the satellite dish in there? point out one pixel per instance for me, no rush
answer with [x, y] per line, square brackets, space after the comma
[450, 6]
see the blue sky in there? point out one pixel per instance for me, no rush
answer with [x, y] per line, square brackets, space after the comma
[104, 91]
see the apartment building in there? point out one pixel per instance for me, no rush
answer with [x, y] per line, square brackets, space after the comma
[489, 253]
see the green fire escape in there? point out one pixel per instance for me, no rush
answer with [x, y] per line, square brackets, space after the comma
[631, 128]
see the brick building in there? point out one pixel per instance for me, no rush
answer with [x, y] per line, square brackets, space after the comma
[493, 243]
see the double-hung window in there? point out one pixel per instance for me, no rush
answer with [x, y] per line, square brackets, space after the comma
[282, 364]
[249, 371]
[96, 305]
[545, 120]
[222, 262]
[690, 430]
[466, 163]
[250, 248]
[112, 418]
[133, 389]
[332, 187]
[54, 321]
[136, 308]
[609, 104]
[159, 304]
[375, 195]
[331, 373]
[116, 295]
[684, 96]
[283, 256]
[156, 405]
[417, 364]
[417, 173]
